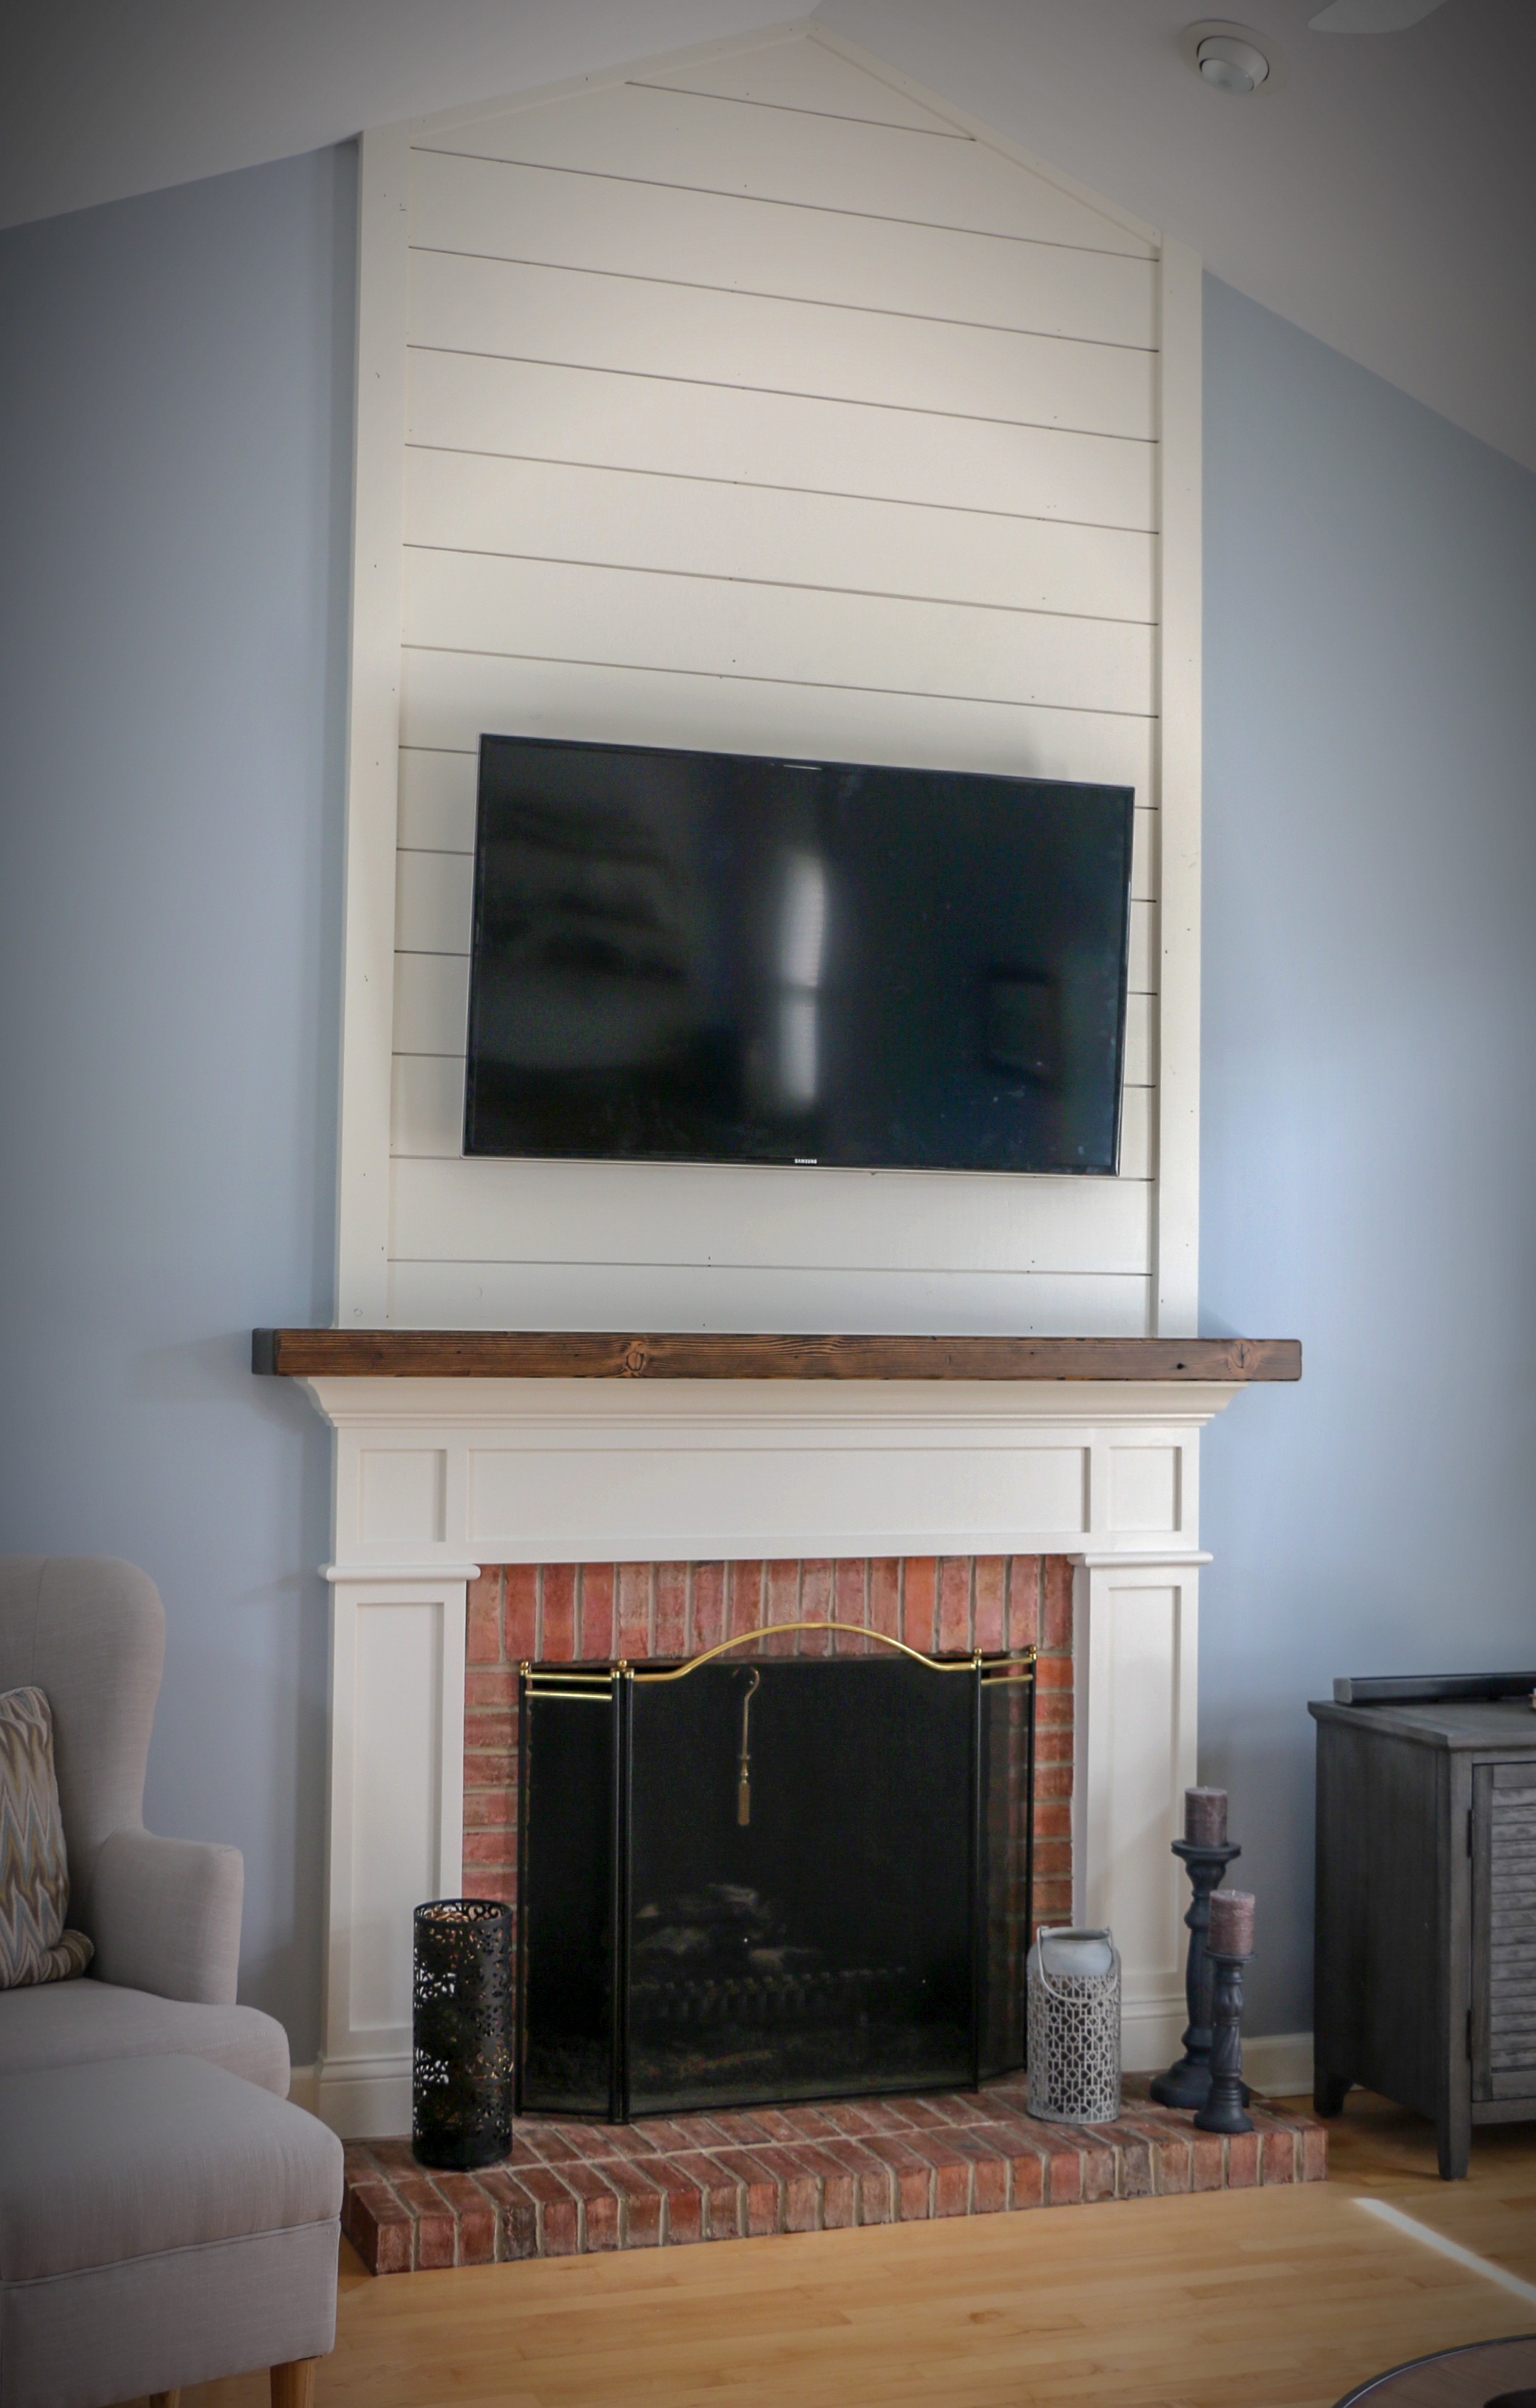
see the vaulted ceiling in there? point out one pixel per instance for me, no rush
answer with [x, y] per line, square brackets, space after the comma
[1381, 192]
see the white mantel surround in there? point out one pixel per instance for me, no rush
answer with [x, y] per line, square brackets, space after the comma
[434, 1477]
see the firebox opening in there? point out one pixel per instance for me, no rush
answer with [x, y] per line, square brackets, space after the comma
[767, 1881]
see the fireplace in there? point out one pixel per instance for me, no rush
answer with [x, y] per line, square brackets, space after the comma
[582, 1500]
[751, 1880]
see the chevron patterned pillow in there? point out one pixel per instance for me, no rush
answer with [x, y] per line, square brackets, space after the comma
[34, 1869]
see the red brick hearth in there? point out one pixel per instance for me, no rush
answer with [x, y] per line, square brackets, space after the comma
[570, 2188]
[560, 1613]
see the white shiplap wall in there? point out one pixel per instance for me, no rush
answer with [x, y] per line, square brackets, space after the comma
[751, 402]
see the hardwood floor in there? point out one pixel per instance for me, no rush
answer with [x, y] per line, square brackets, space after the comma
[1281, 2299]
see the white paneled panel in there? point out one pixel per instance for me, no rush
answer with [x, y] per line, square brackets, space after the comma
[620, 518]
[764, 420]
[438, 813]
[450, 699]
[488, 209]
[622, 1295]
[459, 602]
[801, 75]
[776, 154]
[514, 312]
[663, 424]
[734, 1216]
[1143, 1489]
[437, 800]
[433, 901]
[429, 1112]
[1141, 1041]
[394, 1805]
[1136, 1133]
[994, 1488]
[431, 1003]
[401, 1493]
[1143, 1696]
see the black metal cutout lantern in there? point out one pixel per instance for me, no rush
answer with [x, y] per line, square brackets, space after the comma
[462, 2034]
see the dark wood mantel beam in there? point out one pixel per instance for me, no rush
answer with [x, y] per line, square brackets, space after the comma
[693, 1354]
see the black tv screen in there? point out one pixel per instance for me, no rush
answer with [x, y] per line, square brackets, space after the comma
[715, 957]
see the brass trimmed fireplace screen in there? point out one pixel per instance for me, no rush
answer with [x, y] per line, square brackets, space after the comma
[753, 1880]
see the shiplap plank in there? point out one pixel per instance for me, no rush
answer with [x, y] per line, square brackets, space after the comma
[800, 74]
[433, 895]
[720, 145]
[428, 1115]
[496, 1210]
[516, 311]
[431, 1003]
[426, 1106]
[437, 809]
[619, 518]
[700, 1296]
[448, 700]
[438, 813]
[492, 209]
[606, 419]
[458, 602]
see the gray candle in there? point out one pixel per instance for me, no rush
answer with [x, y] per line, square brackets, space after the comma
[1205, 1818]
[1231, 1933]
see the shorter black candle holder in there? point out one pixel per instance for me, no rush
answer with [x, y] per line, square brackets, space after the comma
[1225, 2110]
[1187, 2084]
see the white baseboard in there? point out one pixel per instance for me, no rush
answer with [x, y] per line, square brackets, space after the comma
[364, 2097]
[1151, 2033]
[1280, 2065]
[369, 2099]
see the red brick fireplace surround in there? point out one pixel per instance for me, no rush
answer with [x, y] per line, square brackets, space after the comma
[951, 1605]
[571, 2187]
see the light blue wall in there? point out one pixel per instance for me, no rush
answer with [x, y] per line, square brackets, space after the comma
[175, 410]
[1369, 1157]
[175, 431]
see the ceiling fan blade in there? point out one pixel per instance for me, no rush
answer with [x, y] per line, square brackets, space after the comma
[1371, 16]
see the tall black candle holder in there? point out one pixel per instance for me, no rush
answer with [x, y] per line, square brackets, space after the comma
[1225, 2110]
[1187, 2084]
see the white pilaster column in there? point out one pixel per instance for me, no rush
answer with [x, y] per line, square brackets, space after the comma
[1135, 1646]
[396, 1818]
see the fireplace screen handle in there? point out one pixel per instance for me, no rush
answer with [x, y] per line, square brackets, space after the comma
[743, 1766]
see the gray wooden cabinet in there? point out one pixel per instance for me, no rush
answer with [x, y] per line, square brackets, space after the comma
[1426, 1917]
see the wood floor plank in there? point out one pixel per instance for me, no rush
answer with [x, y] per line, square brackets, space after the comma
[1282, 2299]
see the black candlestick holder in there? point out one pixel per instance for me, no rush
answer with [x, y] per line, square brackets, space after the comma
[1187, 2084]
[1225, 2110]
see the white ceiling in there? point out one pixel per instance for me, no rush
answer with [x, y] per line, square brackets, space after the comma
[1383, 196]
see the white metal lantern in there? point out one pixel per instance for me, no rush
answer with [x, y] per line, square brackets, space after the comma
[1073, 1993]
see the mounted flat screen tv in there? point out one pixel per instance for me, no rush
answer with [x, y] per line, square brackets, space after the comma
[716, 957]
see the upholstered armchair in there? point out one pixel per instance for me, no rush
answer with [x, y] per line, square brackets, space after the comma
[164, 1915]
[164, 2220]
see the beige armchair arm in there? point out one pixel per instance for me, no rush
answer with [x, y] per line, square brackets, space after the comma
[167, 1916]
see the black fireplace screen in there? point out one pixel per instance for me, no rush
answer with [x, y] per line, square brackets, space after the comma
[748, 1880]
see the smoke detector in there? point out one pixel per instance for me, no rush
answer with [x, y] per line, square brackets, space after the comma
[1231, 58]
